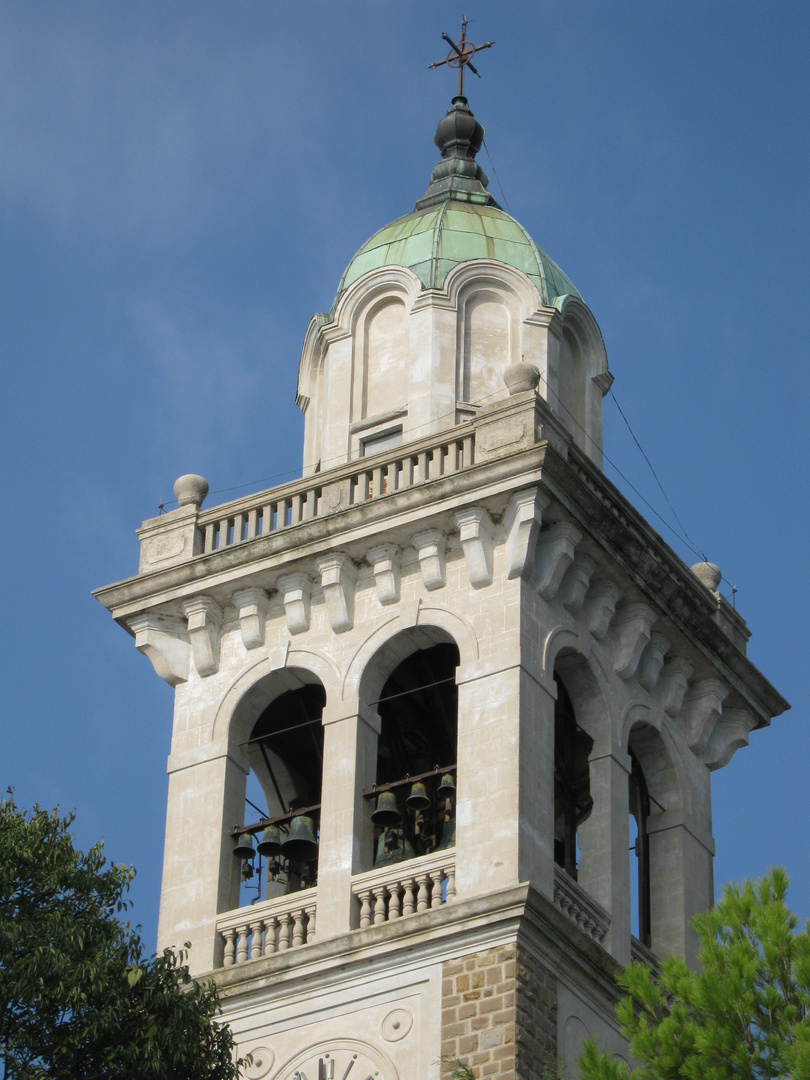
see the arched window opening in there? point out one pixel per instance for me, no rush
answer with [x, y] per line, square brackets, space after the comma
[640, 879]
[572, 784]
[283, 799]
[415, 794]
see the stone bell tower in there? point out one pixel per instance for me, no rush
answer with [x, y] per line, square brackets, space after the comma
[465, 673]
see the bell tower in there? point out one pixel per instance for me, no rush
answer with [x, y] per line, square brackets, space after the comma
[474, 699]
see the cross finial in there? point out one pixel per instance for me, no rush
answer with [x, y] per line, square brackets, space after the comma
[460, 56]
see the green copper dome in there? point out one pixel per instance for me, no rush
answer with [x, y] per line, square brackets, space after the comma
[456, 221]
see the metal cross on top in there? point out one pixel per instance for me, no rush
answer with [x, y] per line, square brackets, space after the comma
[460, 56]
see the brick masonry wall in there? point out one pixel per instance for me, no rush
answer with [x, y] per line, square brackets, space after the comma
[499, 1015]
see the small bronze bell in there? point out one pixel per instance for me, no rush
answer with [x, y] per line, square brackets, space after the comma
[393, 846]
[300, 845]
[387, 812]
[418, 798]
[448, 839]
[244, 847]
[447, 788]
[270, 843]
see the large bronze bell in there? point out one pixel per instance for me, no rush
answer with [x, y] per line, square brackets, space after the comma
[244, 847]
[447, 788]
[448, 839]
[300, 845]
[387, 812]
[393, 846]
[270, 843]
[418, 798]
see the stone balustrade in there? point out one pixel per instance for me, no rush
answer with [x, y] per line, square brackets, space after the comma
[275, 925]
[572, 900]
[315, 496]
[405, 888]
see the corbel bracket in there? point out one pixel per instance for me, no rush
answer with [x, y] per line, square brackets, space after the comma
[430, 549]
[295, 590]
[475, 532]
[384, 561]
[522, 522]
[164, 641]
[674, 683]
[652, 660]
[600, 606]
[702, 708]
[729, 733]
[338, 579]
[555, 553]
[631, 632]
[204, 631]
[252, 607]
[576, 581]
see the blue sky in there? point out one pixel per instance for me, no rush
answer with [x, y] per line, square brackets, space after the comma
[182, 187]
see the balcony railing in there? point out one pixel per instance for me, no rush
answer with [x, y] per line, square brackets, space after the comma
[315, 496]
[572, 900]
[275, 925]
[397, 890]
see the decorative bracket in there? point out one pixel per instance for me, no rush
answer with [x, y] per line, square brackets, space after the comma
[702, 709]
[729, 733]
[252, 607]
[384, 562]
[674, 683]
[522, 522]
[652, 660]
[631, 634]
[555, 553]
[164, 641]
[600, 606]
[204, 631]
[430, 549]
[295, 592]
[338, 578]
[576, 581]
[475, 532]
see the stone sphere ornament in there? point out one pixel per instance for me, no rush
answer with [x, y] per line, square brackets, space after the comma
[190, 489]
[709, 574]
[521, 376]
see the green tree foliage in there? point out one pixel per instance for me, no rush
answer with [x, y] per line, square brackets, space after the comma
[743, 1015]
[77, 997]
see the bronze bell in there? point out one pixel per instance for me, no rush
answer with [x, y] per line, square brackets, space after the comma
[393, 846]
[270, 843]
[387, 812]
[418, 798]
[244, 847]
[447, 788]
[300, 845]
[448, 839]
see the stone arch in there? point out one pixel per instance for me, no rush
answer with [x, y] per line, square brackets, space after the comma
[582, 377]
[432, 625]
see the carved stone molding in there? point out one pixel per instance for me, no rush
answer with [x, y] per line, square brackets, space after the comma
[702, 708]
[631, 633]
[296, 590]
[384, 561]
[652, 660]
[674, 683]
[338, 579]
[730, 732]
[475, 532]
[600, 606]
[555, 553]
[204, 631]
[251, 604]
[164, 641]
[575, 584]
[430, 549]
[522, 523]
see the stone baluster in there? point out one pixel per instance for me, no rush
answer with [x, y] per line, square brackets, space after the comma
[409, 897]
[310, 910]
[299, 934]
[270, 932]
[436, 899]
[365, 909]
[285, 932]
[229, 956]
[256, 940]
[423, 896]
[379, 904]
[451, 883]
[395, 900]
[242, 945]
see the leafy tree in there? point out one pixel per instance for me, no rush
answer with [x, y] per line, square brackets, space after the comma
[744, 1014]
[77, 997]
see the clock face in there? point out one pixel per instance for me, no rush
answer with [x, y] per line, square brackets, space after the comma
[335, 1064]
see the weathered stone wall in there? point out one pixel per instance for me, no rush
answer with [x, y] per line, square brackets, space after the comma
[499, 1014]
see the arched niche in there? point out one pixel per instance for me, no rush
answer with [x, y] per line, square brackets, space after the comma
[488, 339]
[380, 359]
[582, 376]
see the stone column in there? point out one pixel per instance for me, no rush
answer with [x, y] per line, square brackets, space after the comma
[200, 873]
[347, 836]
[604, 840]
[681, 882]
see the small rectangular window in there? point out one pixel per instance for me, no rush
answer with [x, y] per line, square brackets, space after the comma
[381, 441]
